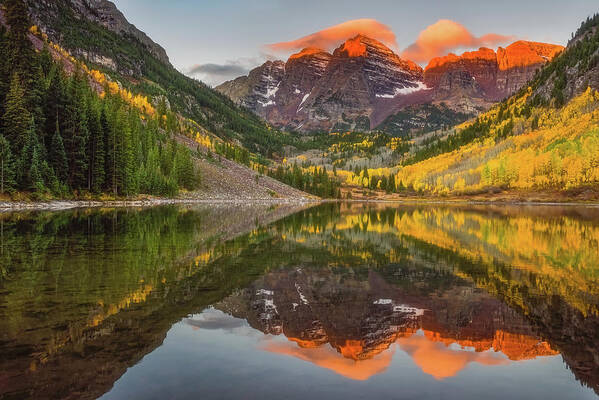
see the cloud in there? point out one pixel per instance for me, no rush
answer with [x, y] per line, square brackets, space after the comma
[333, 36]
[215, 74]
[445, 36]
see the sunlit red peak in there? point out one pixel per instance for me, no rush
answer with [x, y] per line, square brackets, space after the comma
[308, 51]
[353, 47]
[483, 53]
[517, 54]
[523, 53]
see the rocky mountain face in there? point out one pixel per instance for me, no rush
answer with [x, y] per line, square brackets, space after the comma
[485, 76]
[51, 15]
[322, 91]
[259, 87]
[364, 83]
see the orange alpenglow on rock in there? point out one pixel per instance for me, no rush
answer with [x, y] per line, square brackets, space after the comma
[481, 54]
[308, 51]
[308, 344]
[522, 54]
[516, 347]
[353, 47]
[518, 54]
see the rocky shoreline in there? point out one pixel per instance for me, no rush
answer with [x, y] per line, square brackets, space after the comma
[57, 205]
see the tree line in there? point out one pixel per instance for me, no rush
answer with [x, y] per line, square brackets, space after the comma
[60, 135]
[312, 180]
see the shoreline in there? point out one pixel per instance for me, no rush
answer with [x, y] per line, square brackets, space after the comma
[58, 205]
[465, 201]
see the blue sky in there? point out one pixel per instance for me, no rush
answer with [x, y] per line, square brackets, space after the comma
[233, 33]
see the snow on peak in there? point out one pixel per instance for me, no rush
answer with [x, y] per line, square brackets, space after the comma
[403, 91]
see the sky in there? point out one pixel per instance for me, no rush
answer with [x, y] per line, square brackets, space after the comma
[218, 40]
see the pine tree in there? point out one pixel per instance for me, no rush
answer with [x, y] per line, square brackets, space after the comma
[20, 51]
[4, 73]
[31, 168]
[16, 118]
[58, 156]
[124, 154]
[55, 103]
[36, 102]
[7, 167]
[76, 132]
[110, 146]
[384, 183]
[96, 152]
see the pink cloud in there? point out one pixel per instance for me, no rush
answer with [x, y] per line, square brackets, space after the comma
[333, 36]
[445, 36]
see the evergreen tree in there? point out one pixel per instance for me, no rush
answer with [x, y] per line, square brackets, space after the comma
[76, 133]
[124, 155]
[7, 167]
[55, 103]
[384, 183]
[31, 164]
[58, 156]
[96, 152]
[16, 118]
[110, 159]
[20, 55]
[36, 102]
[4, 74]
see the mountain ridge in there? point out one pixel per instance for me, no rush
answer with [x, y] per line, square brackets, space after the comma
[363, 82]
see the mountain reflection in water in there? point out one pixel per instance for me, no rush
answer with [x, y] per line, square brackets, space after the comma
[363, 300]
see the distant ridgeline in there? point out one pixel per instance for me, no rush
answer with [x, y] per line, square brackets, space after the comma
[64, 131]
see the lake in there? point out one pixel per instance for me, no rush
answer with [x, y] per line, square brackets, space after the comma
[337, 301]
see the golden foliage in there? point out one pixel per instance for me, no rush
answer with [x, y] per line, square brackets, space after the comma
[562, 153]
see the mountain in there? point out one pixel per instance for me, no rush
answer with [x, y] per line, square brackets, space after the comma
[91, 106]
[97, 32]
[57, 18]
[542, 141]
[364, 83]
[484, 76]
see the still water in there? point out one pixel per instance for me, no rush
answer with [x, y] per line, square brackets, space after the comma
[338, 301]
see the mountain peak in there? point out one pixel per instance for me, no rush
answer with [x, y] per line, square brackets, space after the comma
[483, 53]
[308, 51]
[354, 47]
[523, 53]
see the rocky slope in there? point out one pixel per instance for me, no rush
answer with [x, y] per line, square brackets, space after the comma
[573, 72]
[96, 32]
[48, 13]
[363, 83]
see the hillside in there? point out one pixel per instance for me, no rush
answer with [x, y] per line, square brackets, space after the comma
[71, 129]
[97, 32]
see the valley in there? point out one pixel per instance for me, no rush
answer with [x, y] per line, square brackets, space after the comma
[358, 122]
[299, 200]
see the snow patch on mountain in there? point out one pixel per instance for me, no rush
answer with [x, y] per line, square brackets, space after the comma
[403, 91]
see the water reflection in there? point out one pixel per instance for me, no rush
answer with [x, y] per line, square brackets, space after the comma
[362, 292]
[341, 323]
